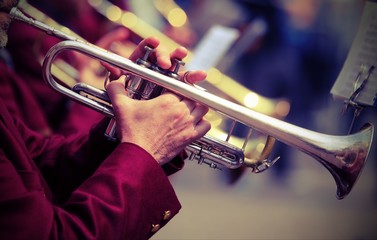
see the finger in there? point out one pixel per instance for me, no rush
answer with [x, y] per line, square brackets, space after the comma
[164, 58]
[202, 127]
[115, 89]
[198, 112]
[115, 72]
[139, 51]
[193, 77]
[189, 104]
[179, 53]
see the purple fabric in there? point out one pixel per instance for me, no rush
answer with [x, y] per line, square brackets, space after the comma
[77, 187]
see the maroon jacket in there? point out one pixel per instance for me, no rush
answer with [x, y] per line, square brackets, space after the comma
[59, 188]
[59, 113]
[79, 187]
[20, 101]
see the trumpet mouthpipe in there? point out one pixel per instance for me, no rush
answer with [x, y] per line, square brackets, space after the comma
[16, 14]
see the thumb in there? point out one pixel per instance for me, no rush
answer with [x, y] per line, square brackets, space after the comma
[117, 92]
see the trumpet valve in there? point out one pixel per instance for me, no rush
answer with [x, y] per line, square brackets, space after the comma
[178, 63]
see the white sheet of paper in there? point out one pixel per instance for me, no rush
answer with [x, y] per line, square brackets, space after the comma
[212, 47]
[363, 51]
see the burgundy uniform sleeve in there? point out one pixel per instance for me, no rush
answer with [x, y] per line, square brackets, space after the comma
[126, 196]
[77, 157]
[20, 101]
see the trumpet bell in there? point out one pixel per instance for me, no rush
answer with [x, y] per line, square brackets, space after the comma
[350, 159]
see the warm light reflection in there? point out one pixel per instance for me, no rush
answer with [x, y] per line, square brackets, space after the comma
[67, 30]
[129, 20]
[114, 13]
[260, 147]
[251, 100]
[177, 17]
[214, 76]
[282, 108]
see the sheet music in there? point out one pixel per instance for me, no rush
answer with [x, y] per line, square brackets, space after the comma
[363, 55]
[212, 47]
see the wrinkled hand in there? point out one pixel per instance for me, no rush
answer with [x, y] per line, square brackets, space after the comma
[165, 125]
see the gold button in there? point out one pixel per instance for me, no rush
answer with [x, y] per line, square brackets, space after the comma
[155, 227]
[166, 215]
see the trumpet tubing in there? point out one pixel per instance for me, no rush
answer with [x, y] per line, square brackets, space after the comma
[343, 156]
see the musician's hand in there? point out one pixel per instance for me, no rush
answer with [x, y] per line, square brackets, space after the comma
[161, 57]
[163, 126]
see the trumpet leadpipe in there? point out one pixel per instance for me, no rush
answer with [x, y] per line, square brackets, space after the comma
[16, 14]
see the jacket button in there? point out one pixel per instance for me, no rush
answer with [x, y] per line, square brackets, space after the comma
[155, 227]
[166, 215]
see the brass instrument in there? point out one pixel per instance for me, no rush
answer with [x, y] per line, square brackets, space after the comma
[216, 82]
[343, 156]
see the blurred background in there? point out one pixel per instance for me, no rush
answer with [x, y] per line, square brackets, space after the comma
[291, 50]
[278, 57]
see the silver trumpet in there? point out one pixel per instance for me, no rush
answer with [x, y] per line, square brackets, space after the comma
[343, 156]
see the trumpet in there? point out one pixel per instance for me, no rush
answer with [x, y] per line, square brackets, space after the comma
[343, 156]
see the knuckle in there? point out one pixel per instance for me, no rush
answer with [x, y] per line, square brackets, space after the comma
[168, 99]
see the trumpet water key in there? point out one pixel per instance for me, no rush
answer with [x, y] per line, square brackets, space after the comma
[343, 156]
